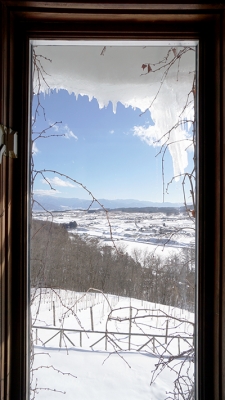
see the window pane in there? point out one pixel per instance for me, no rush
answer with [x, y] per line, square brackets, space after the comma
[113, 220]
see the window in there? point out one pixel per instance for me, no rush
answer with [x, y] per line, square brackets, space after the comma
[142, 280]
[133, 21]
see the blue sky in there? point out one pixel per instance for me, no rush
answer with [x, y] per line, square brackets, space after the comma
[100, 150]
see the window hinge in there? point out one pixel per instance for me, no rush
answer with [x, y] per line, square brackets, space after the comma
[8, 142]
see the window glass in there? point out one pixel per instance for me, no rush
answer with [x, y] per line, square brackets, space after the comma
[113, 181]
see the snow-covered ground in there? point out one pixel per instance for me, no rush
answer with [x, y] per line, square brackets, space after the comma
[84, 370]
[158, 232]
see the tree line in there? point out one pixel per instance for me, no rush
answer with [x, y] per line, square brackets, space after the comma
[63, 260]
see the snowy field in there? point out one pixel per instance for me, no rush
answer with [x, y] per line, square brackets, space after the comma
[156, 232]
[88, 364]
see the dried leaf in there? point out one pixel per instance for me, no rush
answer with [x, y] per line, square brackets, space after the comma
[144, 66]
[149, 68]
[174, 52]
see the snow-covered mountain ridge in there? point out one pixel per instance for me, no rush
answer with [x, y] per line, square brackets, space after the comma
[52, 203]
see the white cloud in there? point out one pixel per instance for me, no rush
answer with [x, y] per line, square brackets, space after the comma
[147, 134]
[48, 192]
[34, 148]
[55, 127]
[56, 181]
[68, 133]
[112, 131]
[64, 130]
[175, 142]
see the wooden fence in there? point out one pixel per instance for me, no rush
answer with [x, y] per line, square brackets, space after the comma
[109, 337]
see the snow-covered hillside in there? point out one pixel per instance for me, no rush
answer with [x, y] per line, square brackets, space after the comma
[90, 364]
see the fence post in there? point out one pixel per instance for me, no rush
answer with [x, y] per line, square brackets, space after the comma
[153, 341]
[106, 339]
[36, 336]
[80, 339]
[92, 322]
[167, 324]
[53, 313]
[60, 338]
[130, 323]
[178, 345]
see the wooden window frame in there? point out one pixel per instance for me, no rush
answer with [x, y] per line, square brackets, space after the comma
[24, 20]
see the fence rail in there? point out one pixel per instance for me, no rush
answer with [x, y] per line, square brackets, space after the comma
[152, 338]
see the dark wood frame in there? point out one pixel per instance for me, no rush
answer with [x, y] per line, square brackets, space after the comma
[21, 20]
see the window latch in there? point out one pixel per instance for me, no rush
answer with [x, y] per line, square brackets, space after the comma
[8, 142]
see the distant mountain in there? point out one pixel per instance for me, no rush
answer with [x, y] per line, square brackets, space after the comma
[51, 203]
